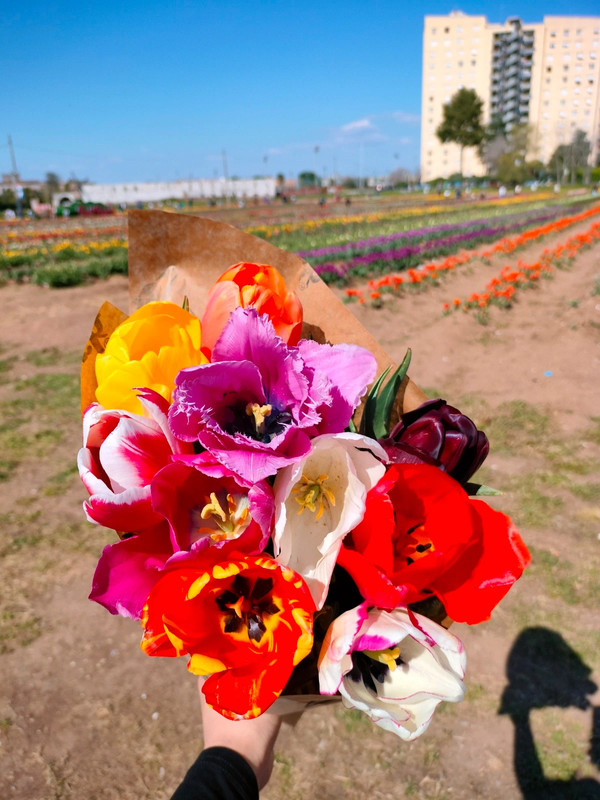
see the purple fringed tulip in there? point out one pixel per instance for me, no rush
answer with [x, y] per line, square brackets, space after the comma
[436, 433]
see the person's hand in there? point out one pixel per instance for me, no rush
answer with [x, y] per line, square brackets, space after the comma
[253, 739]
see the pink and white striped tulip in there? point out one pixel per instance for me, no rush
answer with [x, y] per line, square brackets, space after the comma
[121, 454]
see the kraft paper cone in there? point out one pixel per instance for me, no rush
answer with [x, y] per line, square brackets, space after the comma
[172, 256]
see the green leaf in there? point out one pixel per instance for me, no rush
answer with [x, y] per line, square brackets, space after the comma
[351, 426]
[385, 401]
[481, 490]
[366, 423]
[186, 303]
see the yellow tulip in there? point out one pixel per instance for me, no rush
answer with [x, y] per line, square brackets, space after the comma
[147, 350]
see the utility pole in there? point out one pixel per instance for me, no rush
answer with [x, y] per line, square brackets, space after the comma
[18, 190]
[225, 173]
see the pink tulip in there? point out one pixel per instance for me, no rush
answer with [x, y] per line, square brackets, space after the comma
[121, 454]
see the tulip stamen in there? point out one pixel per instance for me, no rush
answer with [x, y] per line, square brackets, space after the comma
[389, 657]
[313, 494]
[260, 413]
[230, 523]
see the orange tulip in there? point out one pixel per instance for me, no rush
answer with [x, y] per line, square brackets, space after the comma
[258, 286]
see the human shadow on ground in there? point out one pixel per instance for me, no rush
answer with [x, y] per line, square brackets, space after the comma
[542, 671]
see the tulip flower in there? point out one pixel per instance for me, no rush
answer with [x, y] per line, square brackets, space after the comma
[147, 351]
[245, 621]
[259, 402]
[422, 535]
[395, 666]
[319, 500]
[257, 286]
[122, 453]
[207, 504]
[436, 433]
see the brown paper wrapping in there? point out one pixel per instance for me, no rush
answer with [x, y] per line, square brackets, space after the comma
[172, 256]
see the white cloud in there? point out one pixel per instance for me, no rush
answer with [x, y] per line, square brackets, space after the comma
[358, 125]
[357, 131]
[405, 118]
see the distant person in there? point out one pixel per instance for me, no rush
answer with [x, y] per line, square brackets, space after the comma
[502, 191]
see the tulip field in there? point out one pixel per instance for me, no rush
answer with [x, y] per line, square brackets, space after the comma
[499, 302]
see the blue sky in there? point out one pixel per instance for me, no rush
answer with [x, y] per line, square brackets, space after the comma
[119, 91]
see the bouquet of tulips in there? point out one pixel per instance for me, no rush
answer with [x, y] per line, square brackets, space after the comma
[274, 525]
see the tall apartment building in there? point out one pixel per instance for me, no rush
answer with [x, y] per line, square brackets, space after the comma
[546, 74]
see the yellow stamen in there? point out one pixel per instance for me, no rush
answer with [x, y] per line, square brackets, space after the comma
[213, 508]
[260, 413]
[387, 657]
[312, 494]
[231, 521]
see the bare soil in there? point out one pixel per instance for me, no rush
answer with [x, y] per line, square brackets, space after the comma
[84, 714]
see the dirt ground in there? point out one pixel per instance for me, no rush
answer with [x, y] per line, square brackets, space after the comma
[84, 714]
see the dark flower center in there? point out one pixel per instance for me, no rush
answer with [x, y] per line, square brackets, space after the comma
[368, 670]
[247, 605]
[260, 422]
[414, 545]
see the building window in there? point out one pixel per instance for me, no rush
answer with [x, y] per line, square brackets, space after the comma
[446, 30]
[551, 45]
[433, 31]
[473, 63]
[565, 33]
[579, 31]
[565, 44]
[553, 34]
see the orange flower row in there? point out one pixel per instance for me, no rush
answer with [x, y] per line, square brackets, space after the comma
[13, 237]
[501, 289]
[431, 273]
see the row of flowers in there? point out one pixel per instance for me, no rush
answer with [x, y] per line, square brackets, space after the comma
[430, 274]
[501, 290]
[260, 532]
[63, 234]
[403, 258]
[308, 226]
[63, 249]
[416, 235]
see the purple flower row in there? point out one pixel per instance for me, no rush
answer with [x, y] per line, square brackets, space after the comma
[411, 254]
[473, 224]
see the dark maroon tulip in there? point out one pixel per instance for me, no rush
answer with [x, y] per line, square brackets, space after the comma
[436, 433]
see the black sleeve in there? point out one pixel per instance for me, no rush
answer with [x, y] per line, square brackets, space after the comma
[218, 774]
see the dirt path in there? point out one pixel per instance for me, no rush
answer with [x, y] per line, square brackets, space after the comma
[83, 714]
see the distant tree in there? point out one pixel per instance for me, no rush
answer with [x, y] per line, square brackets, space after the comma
[513, 166]
[308, 179]
[52, 184]
[462, 121]
[280, 179]
[494, 144]
[7, 200]
[400, 177]
[571, 159]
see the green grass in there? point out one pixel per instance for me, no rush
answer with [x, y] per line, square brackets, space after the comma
[60, 482]
[52, 357]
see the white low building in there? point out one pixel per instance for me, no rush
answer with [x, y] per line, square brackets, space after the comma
[192, 188]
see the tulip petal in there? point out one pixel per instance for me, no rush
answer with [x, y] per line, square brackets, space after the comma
[128, 570]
